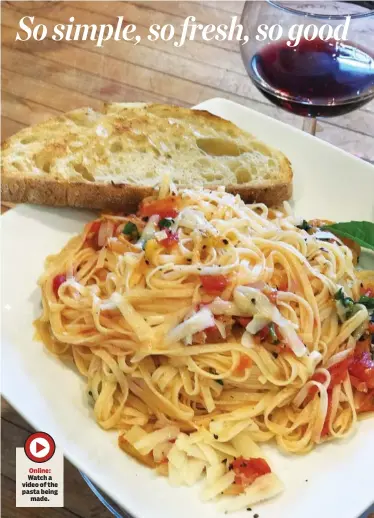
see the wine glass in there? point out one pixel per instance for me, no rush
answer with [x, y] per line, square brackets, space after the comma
[323, 76]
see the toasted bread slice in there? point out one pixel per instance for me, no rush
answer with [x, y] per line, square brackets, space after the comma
[113, 159]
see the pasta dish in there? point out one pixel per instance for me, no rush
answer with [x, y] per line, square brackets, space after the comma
[205, 327]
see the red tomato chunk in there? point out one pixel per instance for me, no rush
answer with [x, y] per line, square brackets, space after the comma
[56, 283]
[214, 284]
[247, 470]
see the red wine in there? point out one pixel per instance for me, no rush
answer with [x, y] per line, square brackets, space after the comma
[316, 78]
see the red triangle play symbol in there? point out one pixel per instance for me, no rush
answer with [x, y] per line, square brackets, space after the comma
[39, 447]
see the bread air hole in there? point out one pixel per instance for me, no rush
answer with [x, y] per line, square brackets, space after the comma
[28, 140]
[243, 175]
[219, 147]
[84, 172]
[116, 147]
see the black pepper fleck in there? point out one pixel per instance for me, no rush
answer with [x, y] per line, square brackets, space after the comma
[225, 241]
[204, 247]
[146, 261]
[255, 515]
[306, 480]
[215, 436]
[146, 218]
[249, 508]
[275, 355]
[253, 301]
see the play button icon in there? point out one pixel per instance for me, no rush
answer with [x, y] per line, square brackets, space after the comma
[39, 447]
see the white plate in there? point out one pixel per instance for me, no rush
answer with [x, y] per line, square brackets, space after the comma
[328, 183]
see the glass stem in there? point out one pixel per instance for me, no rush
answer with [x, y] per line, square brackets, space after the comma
[309, 125]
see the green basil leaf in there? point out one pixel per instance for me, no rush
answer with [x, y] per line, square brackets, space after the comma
[273, 334]
[346, 301]
[129, 228]
[165, 223]
[362, 232]
[367, 301]
[304, 225]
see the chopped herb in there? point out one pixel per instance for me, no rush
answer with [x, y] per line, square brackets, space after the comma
[304, 225]
[215, 436]
[346, 301]
[273, 334]
[130, 229]
[166, 223]
[367, 301]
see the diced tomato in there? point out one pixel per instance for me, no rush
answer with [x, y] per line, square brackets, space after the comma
[247, 470]
[171, 240]
[365, 402]
[56, 283]
[362, 368]
[367, 290]
[244, 363]
[263, 334]
[214, 284]
[243, 321]
[283, 286]
[91, 237]
[95, 226]
[359, 385]
[165, 208]
[212, 334]
[339, 372]
[363, 345]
